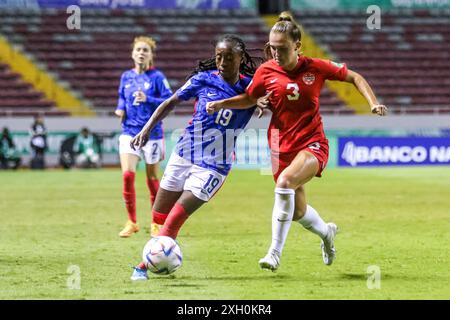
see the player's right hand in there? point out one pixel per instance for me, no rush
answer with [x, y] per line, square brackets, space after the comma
[139, 140]
[121, 114]
[263, 102]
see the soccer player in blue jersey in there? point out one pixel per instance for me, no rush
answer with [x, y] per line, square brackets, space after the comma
[141, 91]
[202, 157]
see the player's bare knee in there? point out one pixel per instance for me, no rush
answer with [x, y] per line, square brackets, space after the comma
[285, 181]
[152, 175]
[152, 172]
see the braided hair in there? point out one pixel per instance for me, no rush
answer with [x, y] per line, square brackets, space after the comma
[248, 65]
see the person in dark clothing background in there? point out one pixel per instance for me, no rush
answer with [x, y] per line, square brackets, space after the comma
[38, 143]
[9, 156]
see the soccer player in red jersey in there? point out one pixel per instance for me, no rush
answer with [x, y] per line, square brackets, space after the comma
[291, 85]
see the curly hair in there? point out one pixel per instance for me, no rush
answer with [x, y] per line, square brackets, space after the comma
[248, 65]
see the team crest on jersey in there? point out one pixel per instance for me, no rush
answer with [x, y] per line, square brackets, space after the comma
[146, 85]
[309, 78]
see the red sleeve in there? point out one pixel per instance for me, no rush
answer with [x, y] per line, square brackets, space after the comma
[332, 70]
[255, 88]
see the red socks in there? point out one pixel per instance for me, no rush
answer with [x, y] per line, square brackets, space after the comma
[129, 194]
[159, 217]
[153, 186]
[172, 223]
[175, 220]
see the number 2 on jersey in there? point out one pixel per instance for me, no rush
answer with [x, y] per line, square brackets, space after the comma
[155, 149]
[224, 116]
[295, 94]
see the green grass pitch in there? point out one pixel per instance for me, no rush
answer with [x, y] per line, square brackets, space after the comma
[396, 219]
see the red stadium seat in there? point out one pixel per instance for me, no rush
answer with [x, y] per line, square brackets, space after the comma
[406, 62]
[91, 60]
[19, 98]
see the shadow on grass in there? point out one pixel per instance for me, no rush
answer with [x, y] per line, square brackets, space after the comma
[262, 277]
[364, 276]
[353, 276]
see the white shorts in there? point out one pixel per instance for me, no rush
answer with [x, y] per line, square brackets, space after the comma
[153, 150]
[181, 174]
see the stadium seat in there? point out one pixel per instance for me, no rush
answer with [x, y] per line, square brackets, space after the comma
[406, 61]
[101, 49]
[20, 98]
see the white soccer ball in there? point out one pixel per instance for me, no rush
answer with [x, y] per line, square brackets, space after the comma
[162, 255]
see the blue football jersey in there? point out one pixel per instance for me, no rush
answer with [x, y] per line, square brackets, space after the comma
[209, 140]
[157, 89]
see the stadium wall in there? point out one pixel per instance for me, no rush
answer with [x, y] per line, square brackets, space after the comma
[328, 5]
[103, 124]
[364, 140]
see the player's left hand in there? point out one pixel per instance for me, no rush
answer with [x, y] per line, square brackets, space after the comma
[380, 110]
[140, 97]
[213, 106]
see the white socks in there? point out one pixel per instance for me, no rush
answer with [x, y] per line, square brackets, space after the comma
[313, 222]
[283, 211]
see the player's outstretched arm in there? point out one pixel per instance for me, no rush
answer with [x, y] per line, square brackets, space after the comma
[242, 101]
[365, 89]
[160, 113]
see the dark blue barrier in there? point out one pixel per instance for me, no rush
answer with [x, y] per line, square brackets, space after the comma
[393, 151]
[143, 4]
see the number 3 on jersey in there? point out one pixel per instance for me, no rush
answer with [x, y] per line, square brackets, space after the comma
[295, 94]
[224, 116]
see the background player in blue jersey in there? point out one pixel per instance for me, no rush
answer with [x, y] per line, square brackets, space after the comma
[141, 90]
[202, 157]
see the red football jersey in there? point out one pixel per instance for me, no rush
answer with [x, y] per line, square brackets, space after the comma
[295, 100]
